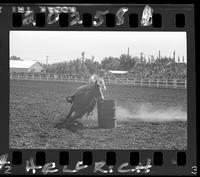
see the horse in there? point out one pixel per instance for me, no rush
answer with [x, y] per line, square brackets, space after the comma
[83, 103]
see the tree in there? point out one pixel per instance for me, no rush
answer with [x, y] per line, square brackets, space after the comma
[73, 69]
[126, 62]
[91, 65]
[85, 69]
[110, 63]
[78, 64]
[15, 58]
[50, 68]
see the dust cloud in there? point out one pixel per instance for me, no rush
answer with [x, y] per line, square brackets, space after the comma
[148, 112]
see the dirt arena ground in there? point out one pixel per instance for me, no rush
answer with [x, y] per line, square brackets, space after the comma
[147, 118]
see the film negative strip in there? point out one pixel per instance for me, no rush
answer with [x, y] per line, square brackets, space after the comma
[97, 89]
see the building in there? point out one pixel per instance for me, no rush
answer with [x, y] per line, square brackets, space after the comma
[25, 66]
[117, 73]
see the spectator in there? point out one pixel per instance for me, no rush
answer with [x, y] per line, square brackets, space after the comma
[162, 69]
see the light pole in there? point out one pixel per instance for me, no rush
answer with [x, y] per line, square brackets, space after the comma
[83, 55]
[47, 60]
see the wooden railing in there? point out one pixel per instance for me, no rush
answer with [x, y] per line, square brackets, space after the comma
[145, 82]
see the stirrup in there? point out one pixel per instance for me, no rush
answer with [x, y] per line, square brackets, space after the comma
[69, 99]
[90, 113]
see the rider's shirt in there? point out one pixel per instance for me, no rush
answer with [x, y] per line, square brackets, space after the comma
[99, 80]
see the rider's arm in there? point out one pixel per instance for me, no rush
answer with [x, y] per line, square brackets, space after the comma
[103, 84]
[92, 79]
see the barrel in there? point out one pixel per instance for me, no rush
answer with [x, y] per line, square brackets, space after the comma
[106, 114]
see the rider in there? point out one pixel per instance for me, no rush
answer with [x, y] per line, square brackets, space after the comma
[96, 77]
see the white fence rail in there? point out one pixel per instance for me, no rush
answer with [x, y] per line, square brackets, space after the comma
[145, 82]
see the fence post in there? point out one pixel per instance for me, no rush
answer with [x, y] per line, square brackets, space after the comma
[141, 82]
[185, 83]
[18, 76]
[166, 81]
[157, 84]
[149, 82]
[133, 81]
[175, 83]
[129, 81]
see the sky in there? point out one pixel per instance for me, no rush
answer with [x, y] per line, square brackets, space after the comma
[68, 45]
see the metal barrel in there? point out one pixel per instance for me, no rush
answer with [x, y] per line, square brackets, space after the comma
[107, 114]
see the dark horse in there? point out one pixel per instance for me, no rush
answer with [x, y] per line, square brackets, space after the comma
[83, 103]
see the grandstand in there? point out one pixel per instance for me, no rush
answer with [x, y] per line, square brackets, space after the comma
[160, 69]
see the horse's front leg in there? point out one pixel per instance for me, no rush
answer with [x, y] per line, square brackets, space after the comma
[68, 115]
[73, 114]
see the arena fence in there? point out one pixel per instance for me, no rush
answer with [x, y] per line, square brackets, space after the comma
[145, 82]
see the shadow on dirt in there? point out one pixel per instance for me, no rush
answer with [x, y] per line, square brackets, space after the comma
[74, 126]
